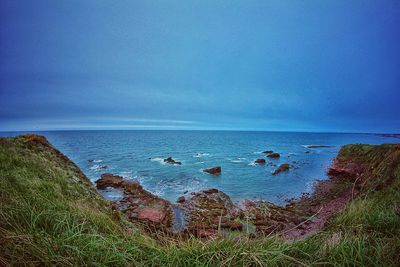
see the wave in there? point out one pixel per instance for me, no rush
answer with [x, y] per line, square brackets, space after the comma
[185, 186]
[316, 146]
[200, 155]
[98, 167]
[237, 160]
[159, 160]
[95, 160]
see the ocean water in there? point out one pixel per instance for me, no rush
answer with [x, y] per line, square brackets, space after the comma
[138, 155]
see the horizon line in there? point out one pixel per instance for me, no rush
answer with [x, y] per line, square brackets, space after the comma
[195, 130]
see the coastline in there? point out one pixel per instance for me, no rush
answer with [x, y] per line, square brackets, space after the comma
[211, 213]
[52, 214]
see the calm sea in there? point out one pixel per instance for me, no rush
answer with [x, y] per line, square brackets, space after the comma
[139, 155]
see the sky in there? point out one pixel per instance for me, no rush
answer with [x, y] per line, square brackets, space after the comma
[277, 65]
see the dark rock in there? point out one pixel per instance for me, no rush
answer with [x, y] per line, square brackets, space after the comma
[282, 168]
[172, 161]
[268, 152]
[215, 170]
[181, 199]
[274, 155]
[109, 180]
[259, 161]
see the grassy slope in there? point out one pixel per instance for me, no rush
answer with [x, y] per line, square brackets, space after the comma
[48, 214]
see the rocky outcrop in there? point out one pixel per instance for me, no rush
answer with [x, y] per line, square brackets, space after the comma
[137, 203]
[211, 209]
[282, 168]
[274, 155]
[109, 180]
[215, 170]
[170, 160]
[143, 206]
[259, 161]
[269, 218]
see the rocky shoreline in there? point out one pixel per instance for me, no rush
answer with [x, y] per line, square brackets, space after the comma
[357, 169]
[211, 213]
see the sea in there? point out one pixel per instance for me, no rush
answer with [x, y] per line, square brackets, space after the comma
[139, 155]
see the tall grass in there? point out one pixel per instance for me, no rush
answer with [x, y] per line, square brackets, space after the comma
[49, 217]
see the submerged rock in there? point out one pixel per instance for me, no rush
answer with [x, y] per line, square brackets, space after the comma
[274, 155]
[282, 168]
[172, 161]
[215, 170]
[259, 161]
[268, 152]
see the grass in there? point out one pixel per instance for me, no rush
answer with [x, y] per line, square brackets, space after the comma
[50, 216]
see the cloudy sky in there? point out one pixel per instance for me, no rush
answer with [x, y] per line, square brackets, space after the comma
[248, 65]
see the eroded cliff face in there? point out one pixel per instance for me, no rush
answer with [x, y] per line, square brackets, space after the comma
[358, 169]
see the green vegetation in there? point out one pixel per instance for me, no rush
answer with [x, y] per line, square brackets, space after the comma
[50, 215]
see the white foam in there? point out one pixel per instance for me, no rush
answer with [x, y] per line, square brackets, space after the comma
[192, 184]
[159, 160]
[200, 155]
[237, 160]
[98, 167]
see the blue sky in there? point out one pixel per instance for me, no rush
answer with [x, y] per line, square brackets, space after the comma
[249, 65]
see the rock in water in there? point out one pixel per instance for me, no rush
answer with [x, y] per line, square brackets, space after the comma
[268, 152]
[181, 199]
[109, 180]
[172, 161]
[259, 161]
[282, 168]
[274, 155]
[215, 170]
